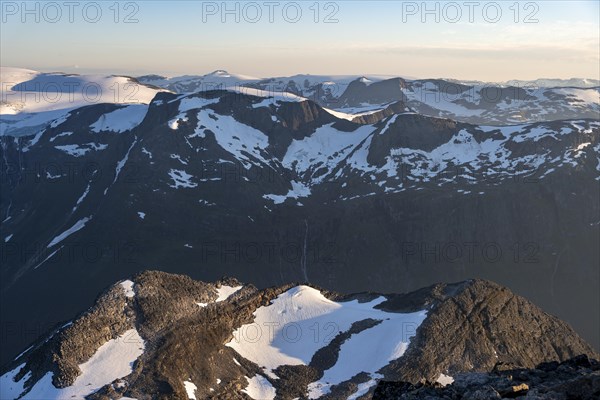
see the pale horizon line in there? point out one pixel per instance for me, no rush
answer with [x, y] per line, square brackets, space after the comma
[103, 71]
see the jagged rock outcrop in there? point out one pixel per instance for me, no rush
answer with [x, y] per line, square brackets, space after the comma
[576, 378]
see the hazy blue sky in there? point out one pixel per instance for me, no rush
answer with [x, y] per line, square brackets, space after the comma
[374, 37]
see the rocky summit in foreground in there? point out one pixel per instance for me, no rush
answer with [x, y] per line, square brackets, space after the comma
[164, 336]
[578, 378]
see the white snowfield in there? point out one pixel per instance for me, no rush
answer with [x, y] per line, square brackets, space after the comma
[121, 120]
[30, 100]
[9, 389]
[190, 389]
[259, 388]
[351, 114]
[363, 388]
[113, 360]
[225, 292]
[301, 321]
[445, 380]
[297, 191]
[325, 148]
[127, 286]
[174, 123]
[76, 150]
[247, 144]
[181, 179]
[191, 103]
[76, 227]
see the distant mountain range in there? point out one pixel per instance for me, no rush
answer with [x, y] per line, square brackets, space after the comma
[474, 102]
[165, 336]
[353, 184]
[35, 99]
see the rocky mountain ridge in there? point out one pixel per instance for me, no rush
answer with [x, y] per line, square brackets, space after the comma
[164, 336]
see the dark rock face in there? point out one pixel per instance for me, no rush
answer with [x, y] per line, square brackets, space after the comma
[410, 128]
[185, 342]
[359, 92]
[576, 378]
